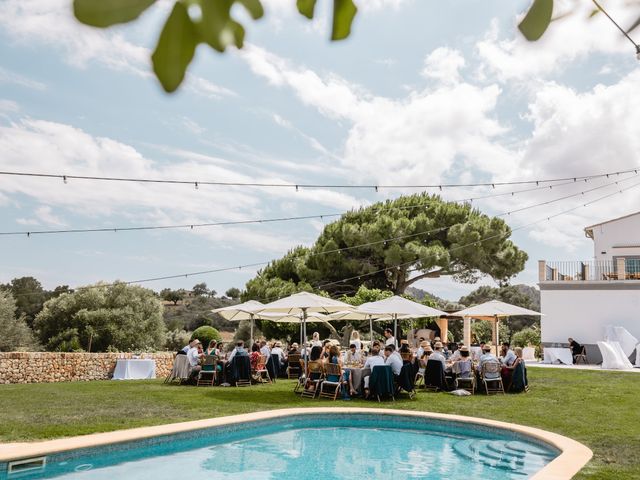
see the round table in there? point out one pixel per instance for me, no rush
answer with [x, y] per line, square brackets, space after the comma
[357, 376]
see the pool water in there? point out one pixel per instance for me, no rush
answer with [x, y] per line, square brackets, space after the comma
[333, 447]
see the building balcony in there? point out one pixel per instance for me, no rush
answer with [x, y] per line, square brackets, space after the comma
[619, 269]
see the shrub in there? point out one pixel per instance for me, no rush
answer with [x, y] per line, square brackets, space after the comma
[176, 339]
[526, 336]
[205, 334]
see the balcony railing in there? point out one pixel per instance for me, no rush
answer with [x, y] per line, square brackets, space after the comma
[593, 270]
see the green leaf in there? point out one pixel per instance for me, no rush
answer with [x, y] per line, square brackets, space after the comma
[343, 13]
[254, 7]
[217, 28]
[175, 49]
[537, 19]
[306, 7]
[104, 13]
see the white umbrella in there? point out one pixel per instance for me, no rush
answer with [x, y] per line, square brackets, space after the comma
[241, 311]
[491, 310]
[292, 318]
[355, 315]
[398, 306]
[305, 303]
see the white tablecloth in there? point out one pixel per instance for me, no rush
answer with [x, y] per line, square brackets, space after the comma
[134, 369]
[529, 353]
[613, 357]
[562, 355]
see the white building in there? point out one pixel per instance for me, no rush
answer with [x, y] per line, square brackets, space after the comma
[578, 299]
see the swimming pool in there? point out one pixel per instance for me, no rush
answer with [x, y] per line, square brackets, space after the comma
[306, 445]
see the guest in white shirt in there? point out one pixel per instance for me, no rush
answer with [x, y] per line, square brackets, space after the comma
[192, 344]
[508, 356]
[487, 356]
[438, 355]
[277, 350]
[455, 356]
[194, 359]
[353, 355]
[264, 349]
[393, 358]
[372, 360]
[390, 339]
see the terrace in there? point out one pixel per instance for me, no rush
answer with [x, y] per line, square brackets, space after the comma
[618, 269]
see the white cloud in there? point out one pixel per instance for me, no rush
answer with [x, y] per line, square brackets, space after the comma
[444, 64]
[571, 38]
[8, 106]
[7, 76]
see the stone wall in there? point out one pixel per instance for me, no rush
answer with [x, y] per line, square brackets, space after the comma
[41, 367]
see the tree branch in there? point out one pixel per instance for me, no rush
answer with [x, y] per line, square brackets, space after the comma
[435, 274]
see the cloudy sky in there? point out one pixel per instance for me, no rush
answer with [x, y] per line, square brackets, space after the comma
[424, 92]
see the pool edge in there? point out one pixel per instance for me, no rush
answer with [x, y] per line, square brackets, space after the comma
[573, 456]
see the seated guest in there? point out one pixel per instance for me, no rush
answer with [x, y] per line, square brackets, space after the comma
[463, 366]
[393, 358]
[576, 348]
[487, 356]
[507, 370]
[194, 359]
[264, 348]
[192, 344]
[238, 351]
[293, 349]
[372, 360]
[277, 350]
[438, 355]
[254, 357]
[326, 345]
[314, 357]
[508, 357]
[221, 350]
[353, 355]
[420, 351]
[334, 357]
[424, 358]
[211, 349]
[455, 356]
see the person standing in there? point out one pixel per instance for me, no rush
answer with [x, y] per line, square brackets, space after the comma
[390, 339]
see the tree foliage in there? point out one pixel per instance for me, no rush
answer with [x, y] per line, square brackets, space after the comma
[15, 334]
[205, 334]
[116, 316]
[391, 245]
[173, 295]
[191, 315]
[233, 292]
[200, 289]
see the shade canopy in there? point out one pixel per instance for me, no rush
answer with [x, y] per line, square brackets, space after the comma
[399, 306]
[305, 301]
[242, 311]
[292, 318]
[493, 309]
[355, 316]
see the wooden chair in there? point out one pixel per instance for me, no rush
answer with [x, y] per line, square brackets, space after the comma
[207, 375]
[582, 356]
[331, 370]
[314, 378]
[261, 370]
[293, 366]
[492, 383]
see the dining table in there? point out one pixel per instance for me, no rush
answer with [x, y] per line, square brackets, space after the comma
[357, 372]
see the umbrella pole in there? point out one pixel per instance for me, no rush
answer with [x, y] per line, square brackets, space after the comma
[370, 330]
[304, 324]
[395, 328]
[251, 334]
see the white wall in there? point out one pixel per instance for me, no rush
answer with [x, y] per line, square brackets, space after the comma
[625, 231]
[582, 314]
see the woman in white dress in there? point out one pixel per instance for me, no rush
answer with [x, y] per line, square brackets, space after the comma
[355, 339]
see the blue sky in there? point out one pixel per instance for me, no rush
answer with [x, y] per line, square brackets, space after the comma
[423, 92]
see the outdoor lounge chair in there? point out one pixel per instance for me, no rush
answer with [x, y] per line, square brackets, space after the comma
[331, 388]
[465, 376]
[315, 379]
[293, 366]
[490, 374]
[261, 370]
[434, 378]
[381, 382]
[207, 375]
[582, 356]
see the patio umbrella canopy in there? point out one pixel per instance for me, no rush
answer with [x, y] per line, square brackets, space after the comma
[398, 306]
[492, 310]
[355, 315]
[305, 303]
[242, 311]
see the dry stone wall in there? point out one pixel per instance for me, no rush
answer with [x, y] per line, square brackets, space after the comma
[45, 367]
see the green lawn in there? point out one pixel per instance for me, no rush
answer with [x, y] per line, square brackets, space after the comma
[599, 409]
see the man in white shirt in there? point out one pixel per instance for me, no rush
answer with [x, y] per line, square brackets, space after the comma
[277, 350]
[487, 356]
[455, 356]
[390, 339]
[438, 355]
[353, 355]
[393, 359]
[508, 356]
[238, 350]
[194, 358]
[192, 344]
[372, 360]
[264, 349]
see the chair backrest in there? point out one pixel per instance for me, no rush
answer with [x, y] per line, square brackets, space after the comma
[294, 359]
[333, 369]
[262, 362]
[381, 380]
[491, 369]
[463, 368]
[434, 374]
[315, 366]
[210, 360]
